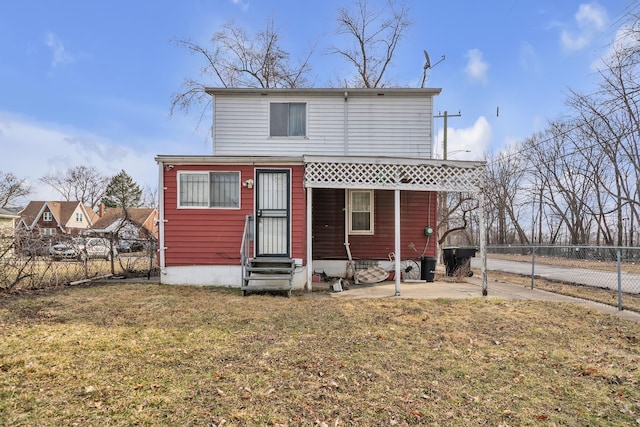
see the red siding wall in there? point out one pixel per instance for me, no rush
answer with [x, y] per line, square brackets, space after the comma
[417, 210]
[298, 215]
[214, 236]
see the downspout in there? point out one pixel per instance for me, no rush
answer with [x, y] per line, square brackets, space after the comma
[397, 239]
[346, 123]
[161, 247]
[213, 125]
[346, 229]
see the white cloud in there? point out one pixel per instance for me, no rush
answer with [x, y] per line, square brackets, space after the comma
[572, 42]
[591, 15]
[589, 20]
[468, 143]
[60, 54]
[476, 69]
[32, 150]
[243, 4]
[529, 58]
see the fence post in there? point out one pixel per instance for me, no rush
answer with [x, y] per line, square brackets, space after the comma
[619, 281]
[533, 263]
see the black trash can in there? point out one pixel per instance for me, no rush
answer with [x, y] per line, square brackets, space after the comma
[428, 268]
[448, 259]
[456, 258]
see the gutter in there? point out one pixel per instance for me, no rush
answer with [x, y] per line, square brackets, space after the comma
[229, 160]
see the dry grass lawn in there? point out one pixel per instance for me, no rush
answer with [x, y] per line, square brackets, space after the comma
[159, 355]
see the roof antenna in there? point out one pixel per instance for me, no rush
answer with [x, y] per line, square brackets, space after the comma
[427, 66]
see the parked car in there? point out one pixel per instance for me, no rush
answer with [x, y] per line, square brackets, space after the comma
[97, 247]
[129, 246]
[65, 250]
[94, 247]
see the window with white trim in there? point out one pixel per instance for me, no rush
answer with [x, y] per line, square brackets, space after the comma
[287, 119]
[47, 216]
[78, 217]
[209, 190]
[47, 231]
[360, 211]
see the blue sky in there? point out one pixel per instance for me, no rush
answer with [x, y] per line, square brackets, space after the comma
[90, 83]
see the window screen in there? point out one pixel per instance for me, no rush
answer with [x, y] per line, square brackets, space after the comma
[210, 189]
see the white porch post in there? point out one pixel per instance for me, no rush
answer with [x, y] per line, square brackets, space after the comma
[161, 242]
[309, 285]
[397, 239]
[483, 252]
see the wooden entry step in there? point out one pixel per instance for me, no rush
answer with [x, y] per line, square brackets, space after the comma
[268, 274]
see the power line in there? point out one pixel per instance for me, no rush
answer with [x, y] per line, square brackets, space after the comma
[564, 133]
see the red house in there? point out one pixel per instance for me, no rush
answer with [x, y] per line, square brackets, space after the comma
[303, 181]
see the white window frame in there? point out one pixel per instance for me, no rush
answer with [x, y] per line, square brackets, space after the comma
[350, 212]
[47, 216]
[47, 231]
[207, 202]
[78, 216]
[306, 121]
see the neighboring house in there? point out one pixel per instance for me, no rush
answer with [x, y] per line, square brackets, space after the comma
[303, 176]
[55, 218]
[7, 220]
[132, 223]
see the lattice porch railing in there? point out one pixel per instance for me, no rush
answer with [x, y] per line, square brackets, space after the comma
[394, 173]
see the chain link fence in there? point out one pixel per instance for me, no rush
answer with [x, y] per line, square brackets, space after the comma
[31, 261]
[603, 273]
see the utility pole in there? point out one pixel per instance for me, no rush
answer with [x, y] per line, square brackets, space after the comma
[443, 215]
[446, 115]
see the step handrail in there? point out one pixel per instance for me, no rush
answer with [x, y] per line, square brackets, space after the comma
[245, 246]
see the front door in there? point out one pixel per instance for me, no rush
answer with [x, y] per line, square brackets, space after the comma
[273, 212]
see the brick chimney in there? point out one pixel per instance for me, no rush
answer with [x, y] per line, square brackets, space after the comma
[101, 210]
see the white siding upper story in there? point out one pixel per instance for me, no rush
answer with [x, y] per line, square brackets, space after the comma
[345, 122]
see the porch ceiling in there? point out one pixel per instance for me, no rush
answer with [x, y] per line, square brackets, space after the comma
[385, 173]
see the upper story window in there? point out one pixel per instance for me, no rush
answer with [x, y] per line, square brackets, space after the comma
[360, 211]
[78, 217]
[47, 217]
[288, 119]
[209, 189]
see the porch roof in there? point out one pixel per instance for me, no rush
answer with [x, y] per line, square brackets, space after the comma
[390, 173]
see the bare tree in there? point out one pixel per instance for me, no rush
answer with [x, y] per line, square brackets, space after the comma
[12, 189]
[609, 120]
[149, 197]
[559, 162]
[454, 216]
[82, 183]
[374, 36]
[585, 169]
[237, 59]
[505, 188]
